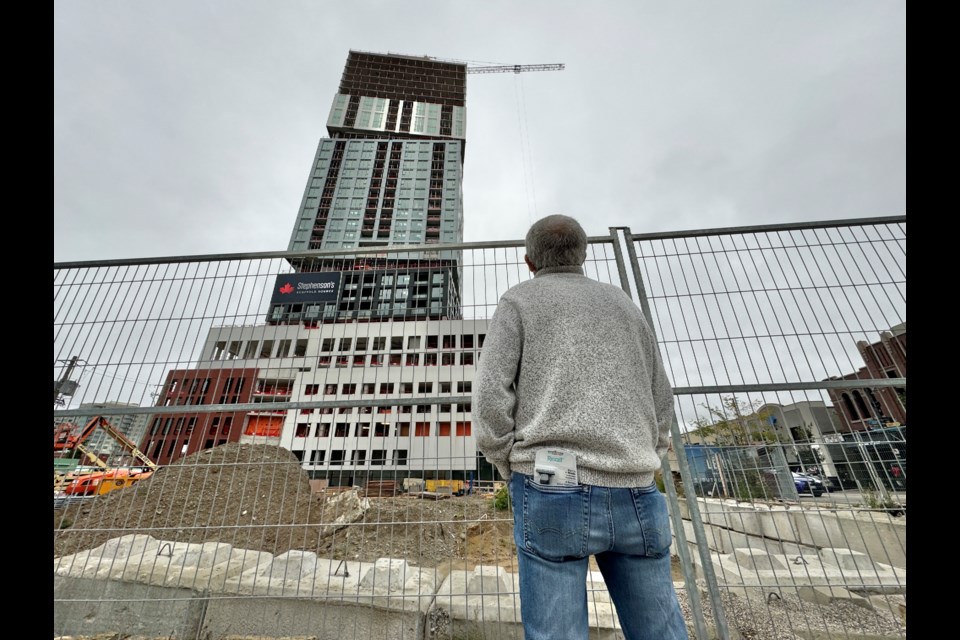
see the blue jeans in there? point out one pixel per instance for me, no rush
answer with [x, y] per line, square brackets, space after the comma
[557, 529]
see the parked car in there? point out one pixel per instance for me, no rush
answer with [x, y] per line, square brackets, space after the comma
[829, 484]
[808, 484]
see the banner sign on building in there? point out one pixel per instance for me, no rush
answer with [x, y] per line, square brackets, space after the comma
[294, 288]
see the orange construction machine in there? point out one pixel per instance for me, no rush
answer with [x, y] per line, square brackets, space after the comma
[105, 478]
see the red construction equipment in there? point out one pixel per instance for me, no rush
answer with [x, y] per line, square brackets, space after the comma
[107, 478]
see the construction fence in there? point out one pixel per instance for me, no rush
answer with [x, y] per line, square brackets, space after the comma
[312, 468]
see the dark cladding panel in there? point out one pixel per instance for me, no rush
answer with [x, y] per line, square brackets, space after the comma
[405, 78]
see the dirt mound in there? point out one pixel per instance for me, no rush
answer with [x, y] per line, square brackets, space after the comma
[258, 497]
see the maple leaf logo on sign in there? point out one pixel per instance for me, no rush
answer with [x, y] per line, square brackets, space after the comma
[287, 288]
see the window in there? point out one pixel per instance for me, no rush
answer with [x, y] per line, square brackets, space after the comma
[432, 342]
[317, 457]
[425, 387]
[413, 359]
[400, 457]
[464, 387]
[430, 359]
[251, 349]
[402, 429]
[306, 412]
[361, 344]
[465, 407]
[336, 457]
[327, 344]
[444, 408]
[413, 342]
[422, 430]
[396, 343]
[363, 430]
[466, 357]
[376, 361]
[300, 349]
[379, 344]
[447, 359]
[349, 388]
[368, 387]
[396, 359]
[324, 362]
[358, 361]
[386, 387]
[330, 390]
[266, 349]
[406, 387]
[466, 341]
[284, 349]
[359, 457]
[444, 387]
[443, 428]
[342, 410]
[346, 344]
[303, 430]
[480, 338]
[378, 456]
[341, 430]
[311, 390]
[449, 342]
[405, 408]
[323, 430]
[464, 428]
[423, 408]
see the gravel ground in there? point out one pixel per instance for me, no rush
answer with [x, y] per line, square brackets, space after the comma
[756, 616]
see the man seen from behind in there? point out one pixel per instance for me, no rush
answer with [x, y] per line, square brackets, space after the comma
[573, 406]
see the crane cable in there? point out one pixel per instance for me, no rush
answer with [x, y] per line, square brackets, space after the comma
[526, 157]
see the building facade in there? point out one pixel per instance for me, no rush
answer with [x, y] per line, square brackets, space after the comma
[861, 409]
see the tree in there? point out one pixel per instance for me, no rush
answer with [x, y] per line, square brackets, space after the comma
[735, 422]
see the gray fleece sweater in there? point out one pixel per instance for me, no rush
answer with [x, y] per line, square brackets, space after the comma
[571, 363]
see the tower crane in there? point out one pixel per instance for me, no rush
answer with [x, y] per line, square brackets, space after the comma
[515, 68]
[501, 68]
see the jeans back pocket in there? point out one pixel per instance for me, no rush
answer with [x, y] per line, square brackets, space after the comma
[554, 520]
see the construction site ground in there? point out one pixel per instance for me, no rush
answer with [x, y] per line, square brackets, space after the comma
[258, 497]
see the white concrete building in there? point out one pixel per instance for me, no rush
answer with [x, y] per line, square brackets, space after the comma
[427, 363]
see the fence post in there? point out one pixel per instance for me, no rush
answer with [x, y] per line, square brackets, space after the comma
[618, 254]
[685, 477]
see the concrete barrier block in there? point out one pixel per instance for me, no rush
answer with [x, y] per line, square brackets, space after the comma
[387, 575]
[88, 607]
[757, 559]
[831, 595]
[119, 558]
[488, 579]
[848, 559]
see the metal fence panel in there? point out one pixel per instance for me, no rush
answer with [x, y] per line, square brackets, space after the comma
[309, 468]
[787, 348]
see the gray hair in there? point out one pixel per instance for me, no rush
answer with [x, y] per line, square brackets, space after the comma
[556, 241]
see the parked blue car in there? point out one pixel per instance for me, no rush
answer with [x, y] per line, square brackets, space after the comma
[808, 485]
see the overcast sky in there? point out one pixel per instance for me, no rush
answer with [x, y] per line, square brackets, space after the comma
[185, 127]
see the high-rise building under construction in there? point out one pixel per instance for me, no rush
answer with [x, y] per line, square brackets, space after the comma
[389, 174]
[375, 317]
